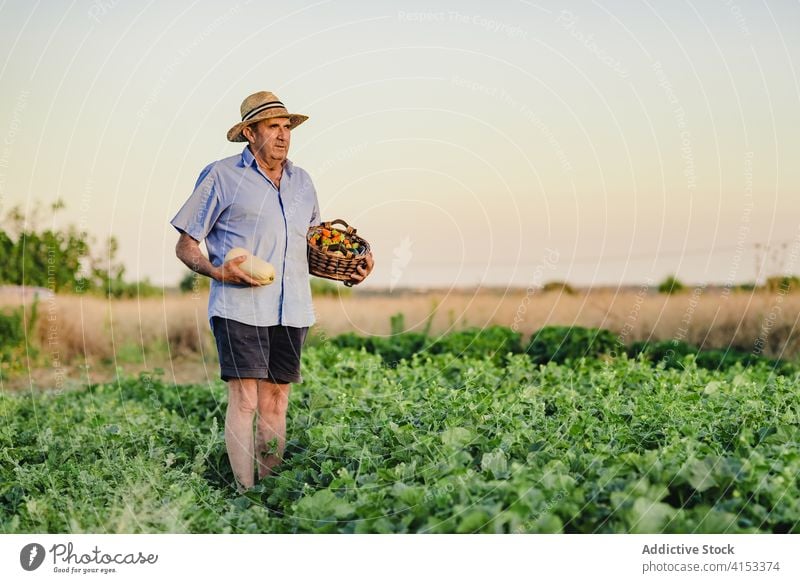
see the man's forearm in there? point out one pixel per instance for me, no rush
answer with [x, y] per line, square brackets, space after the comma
[188, 251]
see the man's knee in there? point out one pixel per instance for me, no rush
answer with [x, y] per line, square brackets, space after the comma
[273, 397]
[242, 394]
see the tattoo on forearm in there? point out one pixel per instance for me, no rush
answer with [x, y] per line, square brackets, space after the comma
[188, 251]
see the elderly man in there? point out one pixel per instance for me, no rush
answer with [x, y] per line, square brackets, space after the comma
[262, 202]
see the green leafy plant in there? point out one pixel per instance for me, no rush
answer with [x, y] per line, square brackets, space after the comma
[562, 343]
[673, 354]
[440, 443]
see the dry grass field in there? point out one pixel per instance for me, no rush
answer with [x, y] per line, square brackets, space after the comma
[87, 338]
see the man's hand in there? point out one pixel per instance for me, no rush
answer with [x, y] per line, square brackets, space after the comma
[361, 271]
[188, 250]
[229, 272]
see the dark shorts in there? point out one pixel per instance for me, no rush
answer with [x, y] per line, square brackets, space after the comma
[258, 352]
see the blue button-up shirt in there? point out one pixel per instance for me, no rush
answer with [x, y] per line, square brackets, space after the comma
[235, 204]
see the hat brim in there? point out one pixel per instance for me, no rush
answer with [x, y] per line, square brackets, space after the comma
[235, 133]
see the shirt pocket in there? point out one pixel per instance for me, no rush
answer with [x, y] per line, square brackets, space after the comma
[298, 216]
[248, 219]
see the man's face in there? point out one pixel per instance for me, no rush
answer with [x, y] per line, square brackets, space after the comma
[270, 138]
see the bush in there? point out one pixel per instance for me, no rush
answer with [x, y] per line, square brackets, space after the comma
[747, 286]
[782, 283]
[723, 359]
[558, 286]
[391, 349]
[494, 341]
[673, 352]
[670, 352]
[12, 330]
[670, 285]
[560, 343]
[14, 345]
[353, 340]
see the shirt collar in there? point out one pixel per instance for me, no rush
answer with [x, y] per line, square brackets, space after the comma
[249, 160]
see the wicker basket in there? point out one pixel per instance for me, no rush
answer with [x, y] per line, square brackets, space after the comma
[322, 260]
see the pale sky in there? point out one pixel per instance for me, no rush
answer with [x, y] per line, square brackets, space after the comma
[504, 144]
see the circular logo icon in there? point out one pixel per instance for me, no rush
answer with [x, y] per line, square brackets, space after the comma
[31, 556]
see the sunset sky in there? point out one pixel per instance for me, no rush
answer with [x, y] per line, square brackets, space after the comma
[505, 144]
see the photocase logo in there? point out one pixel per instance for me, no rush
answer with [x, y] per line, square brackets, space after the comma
[31, 556]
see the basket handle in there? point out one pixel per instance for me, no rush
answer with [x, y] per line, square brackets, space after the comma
[329, 224]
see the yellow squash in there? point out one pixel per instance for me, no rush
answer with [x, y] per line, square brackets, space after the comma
[254, 266]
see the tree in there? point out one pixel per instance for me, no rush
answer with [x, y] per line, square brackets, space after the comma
[61, 259]
[44, 258]
[670, 285]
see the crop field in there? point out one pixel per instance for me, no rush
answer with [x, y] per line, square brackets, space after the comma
[458, 439]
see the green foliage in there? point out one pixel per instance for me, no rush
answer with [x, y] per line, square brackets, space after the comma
[670, 352]
[61, 259]
[15, 330]
[325, 287]
[7, 268]
[494, 342]
[562, 343]
[12, 329]
[747, 286]
[436, 444]
[119, 288]
[670, 285]
[429, 320]
[194, 283]
[782, 283]
[558, 286]
[674, 353]
[716, 359]
[397, 323]
[391, 349]
[48, 259]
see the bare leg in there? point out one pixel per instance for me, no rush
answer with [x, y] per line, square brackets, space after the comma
[273, 400]
[242, 404]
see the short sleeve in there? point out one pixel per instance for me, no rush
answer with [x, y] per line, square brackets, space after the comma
[202, 209]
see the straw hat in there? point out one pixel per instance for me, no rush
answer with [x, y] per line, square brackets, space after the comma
[258, 106]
